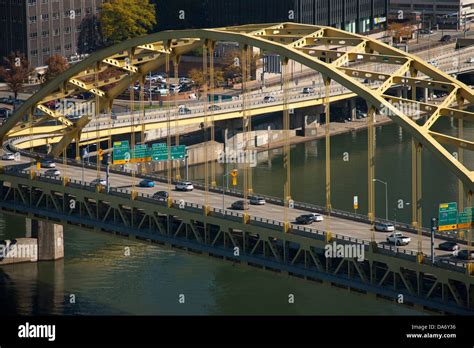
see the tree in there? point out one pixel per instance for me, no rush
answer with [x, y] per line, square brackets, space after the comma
[124, 19]
[15, 72]
[199, 79]
[56, 66]
[90, 38]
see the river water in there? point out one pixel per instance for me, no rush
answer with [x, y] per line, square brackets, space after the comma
[96, 277]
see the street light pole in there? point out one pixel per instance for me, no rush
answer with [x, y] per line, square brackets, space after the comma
[386, 196]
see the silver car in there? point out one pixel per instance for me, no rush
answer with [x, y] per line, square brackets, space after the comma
[8, 157]
[257, 200]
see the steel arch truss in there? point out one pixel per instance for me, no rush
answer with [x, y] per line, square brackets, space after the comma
[346, 58]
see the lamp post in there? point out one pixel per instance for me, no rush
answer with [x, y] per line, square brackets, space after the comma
[386, 196]
[224, 177]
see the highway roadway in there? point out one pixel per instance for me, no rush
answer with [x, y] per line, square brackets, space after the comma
[336, 225]
[445, 62]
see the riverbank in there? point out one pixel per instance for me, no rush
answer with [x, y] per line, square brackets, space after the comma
[336, 128]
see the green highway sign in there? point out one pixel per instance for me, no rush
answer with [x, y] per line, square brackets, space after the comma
[178, 152]
[448, 216]
[121, 152]
[465, 218]
[140, 153]
[159, 152]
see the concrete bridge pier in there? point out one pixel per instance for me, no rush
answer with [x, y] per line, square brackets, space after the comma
[309, 120]
[50, 238]
[352, 109]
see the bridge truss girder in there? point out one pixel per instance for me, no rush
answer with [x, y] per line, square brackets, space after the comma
[313, 46]
[382, 273]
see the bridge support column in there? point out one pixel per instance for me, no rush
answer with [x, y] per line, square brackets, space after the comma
[417, 190]
[353, 109]
[50, 239]
[311, 125]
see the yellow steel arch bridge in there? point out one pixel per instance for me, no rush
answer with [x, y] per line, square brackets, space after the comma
[339, 56]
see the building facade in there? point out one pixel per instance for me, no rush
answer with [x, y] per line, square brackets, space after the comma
[353, 15]
[443, 13]
[42, 28]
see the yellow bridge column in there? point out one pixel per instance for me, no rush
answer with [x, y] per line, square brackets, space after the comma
[286, 148]
[416, 168]
[327, 113]
[461, 191]
[371, 167]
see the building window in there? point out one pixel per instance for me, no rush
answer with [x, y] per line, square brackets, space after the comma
[32, 19]
[31, 2]
[33, 35]
[45, 17]
[34, 53]
[45, 33]
[56, 32]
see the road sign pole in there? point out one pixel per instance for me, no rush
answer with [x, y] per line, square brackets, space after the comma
[434, 226]
[187, 167]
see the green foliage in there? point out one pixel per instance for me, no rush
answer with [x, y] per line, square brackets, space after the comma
[124, 19]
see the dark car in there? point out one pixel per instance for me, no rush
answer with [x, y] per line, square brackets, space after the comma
[214, 108]
[448, 246]
[305, 219]
[445, 38]
[463, 255]
[161, 195]
[240, 205]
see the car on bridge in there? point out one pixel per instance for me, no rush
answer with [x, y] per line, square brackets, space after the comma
[47, 164]
[308, 90]
[161, 195]
[184, 186]
[183, 110]
[398, 238]
[240, 205]
[384, 227]
[463, 254]
[306, 219]
[52, 172]
[146, 183]
[255, 200]
[101, 182]
[8, 157]
[317, 217]
[448, 246]
[214, 107]
[269, 99]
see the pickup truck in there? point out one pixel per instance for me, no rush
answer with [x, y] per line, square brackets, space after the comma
[398, 238]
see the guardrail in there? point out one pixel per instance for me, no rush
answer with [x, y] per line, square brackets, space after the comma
[263, 222]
